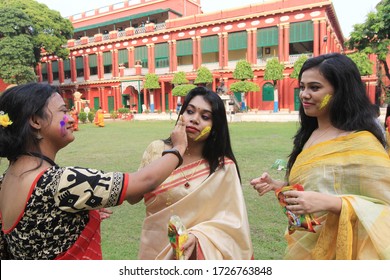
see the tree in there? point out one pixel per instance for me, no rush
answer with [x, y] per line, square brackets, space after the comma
[203, 76]
[151, 83]
[179, 78]
[363, 63]
[182, 85]
[274, 72]
[26, 29]
[373, 37]
[243, 72]
[297, 66]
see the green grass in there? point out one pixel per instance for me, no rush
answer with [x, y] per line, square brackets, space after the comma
[119, 147]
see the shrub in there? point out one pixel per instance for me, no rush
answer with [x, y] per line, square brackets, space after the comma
[123, 110]
[114, 114]
[91, 116]
[83, 117]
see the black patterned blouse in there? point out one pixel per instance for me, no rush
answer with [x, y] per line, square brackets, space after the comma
[57, 211]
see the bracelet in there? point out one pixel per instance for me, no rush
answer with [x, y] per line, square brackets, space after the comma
[176, 153]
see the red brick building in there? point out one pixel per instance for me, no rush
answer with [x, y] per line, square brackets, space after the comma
[115, 46]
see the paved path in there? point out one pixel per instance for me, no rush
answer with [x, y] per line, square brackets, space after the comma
[260, 116]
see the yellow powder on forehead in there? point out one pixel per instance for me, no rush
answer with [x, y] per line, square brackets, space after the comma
[205, 131]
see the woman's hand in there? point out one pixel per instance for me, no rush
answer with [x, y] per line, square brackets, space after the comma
[104, 213]
[308, 202]
[190, 247]
[179, 136]
[265, 184]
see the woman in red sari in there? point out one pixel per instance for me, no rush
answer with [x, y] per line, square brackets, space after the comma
[75, 115]
[48, 211]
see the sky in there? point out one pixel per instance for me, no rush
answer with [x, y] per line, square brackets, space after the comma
[349, 12]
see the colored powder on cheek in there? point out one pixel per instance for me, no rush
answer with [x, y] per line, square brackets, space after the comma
[63, 125]
[325, 101]
[205, 131]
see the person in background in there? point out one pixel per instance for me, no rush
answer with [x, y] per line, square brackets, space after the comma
[99, 117]
[48, 211]
[75, 115]
[340, 160]
[205, 192]
[86, 109]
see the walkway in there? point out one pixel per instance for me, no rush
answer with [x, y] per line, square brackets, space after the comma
[260, 116]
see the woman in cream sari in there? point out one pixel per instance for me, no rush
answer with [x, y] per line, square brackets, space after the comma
[205, 192]
[340, 160]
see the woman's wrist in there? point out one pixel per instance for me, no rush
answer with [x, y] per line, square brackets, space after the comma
[180, 148]
[175, 152]
[277, 184]
[334, 204]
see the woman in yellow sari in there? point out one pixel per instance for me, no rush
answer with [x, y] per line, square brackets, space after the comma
[205, 192]
[340, 160]
[99, 118]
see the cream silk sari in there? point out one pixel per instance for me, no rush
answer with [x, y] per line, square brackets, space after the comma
[356, 168]
[211, 207]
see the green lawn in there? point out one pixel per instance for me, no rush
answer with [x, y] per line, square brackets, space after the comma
[119, 147]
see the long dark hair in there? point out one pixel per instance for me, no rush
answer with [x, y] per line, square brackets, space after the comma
[387, 115]
[21, 103]
[217, 145]
[350, 107]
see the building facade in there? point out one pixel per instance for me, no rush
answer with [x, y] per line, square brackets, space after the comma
[115, 46]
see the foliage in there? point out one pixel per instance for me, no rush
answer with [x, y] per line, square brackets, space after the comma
[151, 81]
[373, 36]
[363, 63]
[203, 76]
[91, 116]
[83, 117]
[182, 86]
[243, 71]
[114, 114]
[244, 86]
[179, 78]
[123, 110]
[182, 90]
[27, 28]
[273, 70]
[297, 66]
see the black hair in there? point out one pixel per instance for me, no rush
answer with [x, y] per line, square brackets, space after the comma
[21, 103]
[387, 115]
[217, 145]
[350, 107]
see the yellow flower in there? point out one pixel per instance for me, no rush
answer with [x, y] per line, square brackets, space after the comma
[4, 120]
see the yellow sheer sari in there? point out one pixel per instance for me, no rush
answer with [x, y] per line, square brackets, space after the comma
[357, 168]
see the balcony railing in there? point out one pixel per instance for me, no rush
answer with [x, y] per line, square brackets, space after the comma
[122, 33]
[186, 68]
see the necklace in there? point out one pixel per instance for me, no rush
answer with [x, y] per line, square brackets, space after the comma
[309, 144]
[43, 157]
[187, 183]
